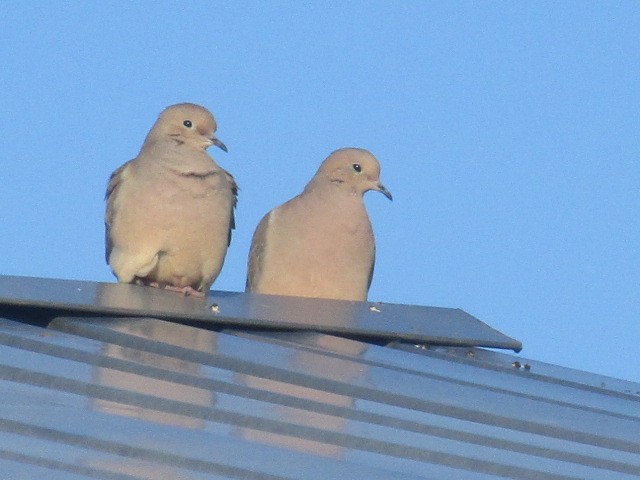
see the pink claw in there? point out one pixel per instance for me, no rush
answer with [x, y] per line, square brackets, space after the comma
[187, 291]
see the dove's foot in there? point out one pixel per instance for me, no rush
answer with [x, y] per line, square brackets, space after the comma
[186, 291]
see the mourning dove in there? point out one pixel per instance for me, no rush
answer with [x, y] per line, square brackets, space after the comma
[320, 243]
[170, 210]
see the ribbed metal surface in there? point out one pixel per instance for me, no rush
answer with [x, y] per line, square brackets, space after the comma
[134, 398]
[371, 321]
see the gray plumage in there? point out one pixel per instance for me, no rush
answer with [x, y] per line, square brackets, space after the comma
[169, 211]
[320, 243]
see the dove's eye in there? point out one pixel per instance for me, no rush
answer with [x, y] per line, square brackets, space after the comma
[187, 123]
[357, 167]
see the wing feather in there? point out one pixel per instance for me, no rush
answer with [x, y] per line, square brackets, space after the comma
[256, 253]
[110, 196]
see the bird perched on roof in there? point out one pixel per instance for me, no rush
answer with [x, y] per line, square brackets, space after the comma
[320, 243]
[169, 211]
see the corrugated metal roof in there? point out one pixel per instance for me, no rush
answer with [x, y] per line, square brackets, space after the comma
[373, 321]
[99, 395]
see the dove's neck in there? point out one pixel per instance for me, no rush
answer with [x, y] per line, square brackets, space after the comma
[179, 157]
[338, 208]
[327, 189]
[337, 200]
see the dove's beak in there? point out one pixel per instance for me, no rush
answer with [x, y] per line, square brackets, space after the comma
[383, 190]
[219, 144]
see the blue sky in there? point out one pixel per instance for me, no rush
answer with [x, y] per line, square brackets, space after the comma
[508, 133]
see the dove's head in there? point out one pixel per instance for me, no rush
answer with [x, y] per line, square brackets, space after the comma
[354, 169]
[186, 124]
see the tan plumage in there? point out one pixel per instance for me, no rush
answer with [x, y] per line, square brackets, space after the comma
[170, 210]
[320, 243]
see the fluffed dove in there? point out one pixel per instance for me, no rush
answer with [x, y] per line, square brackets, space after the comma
[320, 243]
[170, 210]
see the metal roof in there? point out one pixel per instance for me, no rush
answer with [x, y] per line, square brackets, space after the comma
[107, 381]
[370, 320]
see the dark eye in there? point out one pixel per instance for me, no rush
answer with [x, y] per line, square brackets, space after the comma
[187, 123]
[357, 167]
